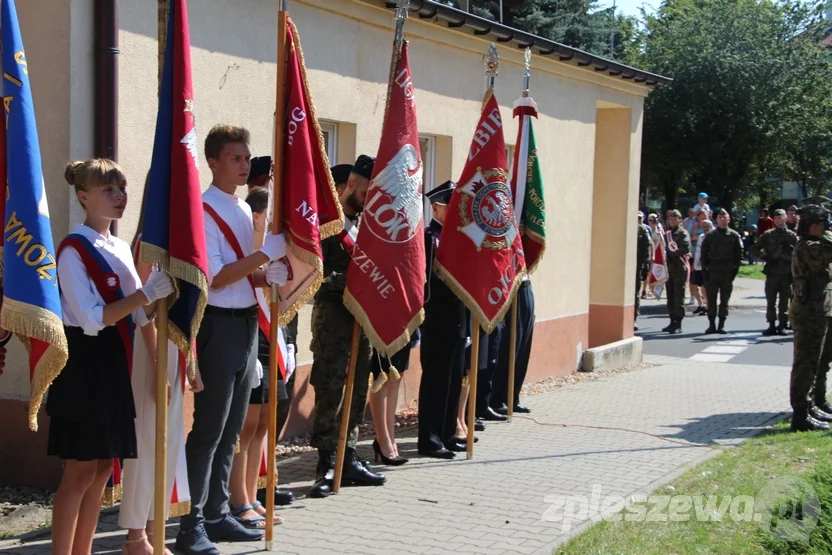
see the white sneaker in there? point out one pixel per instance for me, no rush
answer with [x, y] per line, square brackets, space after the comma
[691, 301]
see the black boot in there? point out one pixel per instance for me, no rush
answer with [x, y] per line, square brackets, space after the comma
[670, 326]
[712, 328]
[324, 474]
[356, 474]
[771, 330]
[781, 329]
[819, 414]
[677, 326]
[802, 421]
[721, 328]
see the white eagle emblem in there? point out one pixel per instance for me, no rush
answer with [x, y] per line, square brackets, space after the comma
[487, 214]
[189, 141]
[395, 209]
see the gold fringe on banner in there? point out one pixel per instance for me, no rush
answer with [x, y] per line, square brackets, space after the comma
[179, 509]
[540, 240]
[31, 322]
[378, 344]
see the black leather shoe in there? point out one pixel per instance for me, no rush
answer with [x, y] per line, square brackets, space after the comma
[195, 542]
[325, 473]
[502, 409]
[711, 330]
[803, 422]
[464, 440]
[281, 497]
[458, 447]
[669, 327]
[824, 405]
[781, 329]
[479, 425]
[229, 530]
[721, 329]
[438, 453]
[487, 413]
[819, 414]
[771, 330]
[522, 409]
[356, 474]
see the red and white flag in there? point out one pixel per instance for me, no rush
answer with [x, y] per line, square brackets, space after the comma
[480, 256]
[386, 277]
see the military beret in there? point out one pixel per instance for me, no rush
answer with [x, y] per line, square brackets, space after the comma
[675, 214]
[792, 208]
[441, 194]
[260, 166]
[364, 166]
[722, 212]
[779, 212]
[341, 173]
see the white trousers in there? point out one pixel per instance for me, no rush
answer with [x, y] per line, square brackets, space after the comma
[137, 501]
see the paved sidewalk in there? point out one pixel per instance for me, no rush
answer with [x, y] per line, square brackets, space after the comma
[748, 293]
[495, 502]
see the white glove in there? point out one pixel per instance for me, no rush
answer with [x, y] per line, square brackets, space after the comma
[274, 246]
[290, 360]
[159, 285]
[277, 273]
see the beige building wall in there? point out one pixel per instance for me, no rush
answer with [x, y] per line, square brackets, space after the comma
[347, 47]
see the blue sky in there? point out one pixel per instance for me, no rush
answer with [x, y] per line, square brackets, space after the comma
[631, 7]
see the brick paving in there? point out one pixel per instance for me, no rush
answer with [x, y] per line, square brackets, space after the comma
[495, 503]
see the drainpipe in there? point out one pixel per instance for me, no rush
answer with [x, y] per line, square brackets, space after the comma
[106, 82]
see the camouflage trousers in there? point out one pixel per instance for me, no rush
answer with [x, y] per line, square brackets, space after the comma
[812, 354]
[777, 286]
[332, 327]
[676, 298]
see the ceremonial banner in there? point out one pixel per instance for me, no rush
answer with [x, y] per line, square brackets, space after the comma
[386, 276]
[527, 185]
[32, 304]
[310, 211]
[173, 235]
[480, 255]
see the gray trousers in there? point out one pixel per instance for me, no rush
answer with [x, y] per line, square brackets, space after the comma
[226, 348]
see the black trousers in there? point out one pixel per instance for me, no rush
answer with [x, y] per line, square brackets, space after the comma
[525, 333]
[722, 283]
[486, 374]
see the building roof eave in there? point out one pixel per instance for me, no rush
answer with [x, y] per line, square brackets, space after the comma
[458, 19]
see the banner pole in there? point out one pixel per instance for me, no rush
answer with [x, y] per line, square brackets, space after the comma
[277, 197]
[512, 357]
[161, 454]
[346, 407]
[472, 384]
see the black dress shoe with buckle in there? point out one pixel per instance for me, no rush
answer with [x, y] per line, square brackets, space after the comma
[522, 409]
[487, 413]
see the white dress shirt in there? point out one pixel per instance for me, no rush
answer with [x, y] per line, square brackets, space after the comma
[237, 214]
[81, 304]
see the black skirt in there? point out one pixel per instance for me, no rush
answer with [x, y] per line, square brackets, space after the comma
[400, 360]
[90, 403]
[260, 394]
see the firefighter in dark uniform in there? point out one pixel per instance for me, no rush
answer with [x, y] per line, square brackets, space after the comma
[778, 244]
[444, 333]
[810, 312]
[721, 258]
[332, 326]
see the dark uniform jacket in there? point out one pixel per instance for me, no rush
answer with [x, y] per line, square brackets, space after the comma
[676, 260]
[643, 252]
[722, 251]
[812, 280]
[442, 307]
[336, 260]
[778, 244]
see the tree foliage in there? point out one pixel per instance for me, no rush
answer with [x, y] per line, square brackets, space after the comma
[751, 98]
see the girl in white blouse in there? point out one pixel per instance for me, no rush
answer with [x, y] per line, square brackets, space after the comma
[91, 401]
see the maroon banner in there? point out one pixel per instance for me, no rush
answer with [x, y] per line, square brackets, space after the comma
[310, 211]
[386, 277]
[480, 255]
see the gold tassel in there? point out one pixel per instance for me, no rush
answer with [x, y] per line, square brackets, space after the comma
[380, 381]
[465, 381]
[237, 446]
[394, 374]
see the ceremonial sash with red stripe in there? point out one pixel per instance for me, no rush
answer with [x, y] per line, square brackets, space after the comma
[262, 317]
[349, 235]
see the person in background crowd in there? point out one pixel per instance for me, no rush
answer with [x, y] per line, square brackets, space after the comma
[748, 241]
[721, 259]
[641, 222]
[764, 222]
[699, 275]
[791, 218]
[678, 266]
[658, 272]
[644, 261]
[690, 222]
[702, 203]
[777, 244]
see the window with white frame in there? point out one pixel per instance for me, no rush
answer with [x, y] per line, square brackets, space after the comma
[330, 132]
[427, 146]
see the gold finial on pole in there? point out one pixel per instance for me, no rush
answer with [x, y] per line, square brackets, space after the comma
[491, 61]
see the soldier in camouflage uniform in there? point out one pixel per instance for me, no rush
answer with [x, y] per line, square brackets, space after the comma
[678, 270]
[644, 260]
[332, 326]
[778, 244]
[721, 259]
[810, 312]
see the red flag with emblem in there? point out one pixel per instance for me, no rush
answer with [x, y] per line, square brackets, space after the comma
[480, 255]
[385, 279]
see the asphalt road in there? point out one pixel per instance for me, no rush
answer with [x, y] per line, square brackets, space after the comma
[744, 343]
